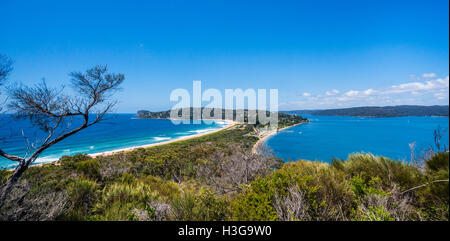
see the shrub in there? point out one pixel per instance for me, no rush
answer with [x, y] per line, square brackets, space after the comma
[126, 178]
[267, 198]
[69, 161]
[90, 168]
[132, 199]
[373, 214]
[358, 189]
[438, 162]
[201, 206]
[82, 194]
[4, 175]
[120, 199]
[433, 199]
[183, 207]
[389, 171]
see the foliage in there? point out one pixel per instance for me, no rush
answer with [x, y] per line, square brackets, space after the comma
[203, 205]
[364, 187]
[318, 186]
[192, 179]
[438, 162]
[82, 193]
[90, 168]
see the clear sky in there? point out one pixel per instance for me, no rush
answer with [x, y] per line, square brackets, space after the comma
[319, 54]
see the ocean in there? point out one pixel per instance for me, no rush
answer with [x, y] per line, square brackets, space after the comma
[326, 137]
[117, 132]
[321, 139]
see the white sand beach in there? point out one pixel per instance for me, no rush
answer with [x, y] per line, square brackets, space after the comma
[229, 124]
[265, 135]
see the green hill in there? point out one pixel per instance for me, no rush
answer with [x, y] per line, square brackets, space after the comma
[384, 111]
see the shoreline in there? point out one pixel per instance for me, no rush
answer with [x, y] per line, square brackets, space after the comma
[128, 149]
[263, 138]
[230, 123]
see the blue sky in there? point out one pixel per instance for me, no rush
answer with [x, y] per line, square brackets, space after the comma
[318, 54]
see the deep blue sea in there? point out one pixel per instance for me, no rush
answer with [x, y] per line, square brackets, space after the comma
[338, 136]
[117, 132]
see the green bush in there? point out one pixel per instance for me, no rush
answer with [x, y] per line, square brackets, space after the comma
[90, 168]
[4, 175]
[82, 194]
[367, 166]
[201, 206]
[127, 178]
[255, 202]
[69, 161]
[438, 162]
[373, 214]
[120, 200]
[364, 187]
[324, 190]
[433, 199]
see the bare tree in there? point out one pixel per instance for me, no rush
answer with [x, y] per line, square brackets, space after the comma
[292, 207]
[438, 134]
[427, 153]
[398, 205]
[414, 160]
[53, 111]
[226, 173]
[5, 69]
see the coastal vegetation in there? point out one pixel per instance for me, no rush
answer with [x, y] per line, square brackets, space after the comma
[385, 111]
[215, 177]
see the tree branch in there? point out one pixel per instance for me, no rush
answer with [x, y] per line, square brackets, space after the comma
[56, 140]
[423, 185]
[52, 130]
[11, 157]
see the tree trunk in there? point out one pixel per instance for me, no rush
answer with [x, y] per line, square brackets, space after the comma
[7, 187]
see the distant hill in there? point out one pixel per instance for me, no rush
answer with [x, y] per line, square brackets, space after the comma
[385, 111]
[283, 118]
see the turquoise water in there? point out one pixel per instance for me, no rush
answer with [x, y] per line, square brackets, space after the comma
[119, 131]
[321, 139]
[337, 136]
